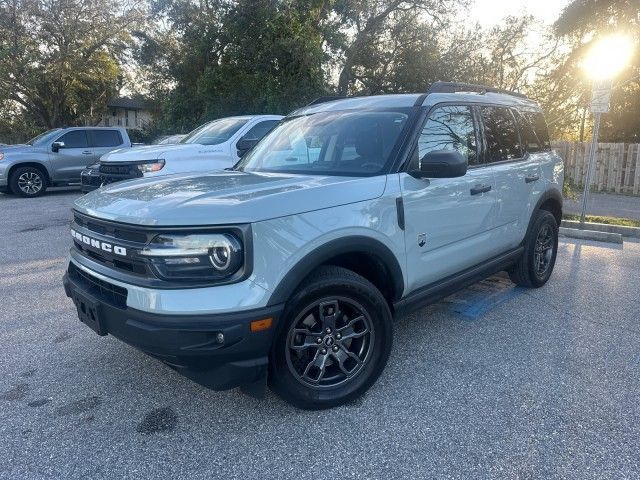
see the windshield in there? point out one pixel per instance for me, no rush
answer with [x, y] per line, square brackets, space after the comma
[330, 143]
[216, 132]
[43, 137]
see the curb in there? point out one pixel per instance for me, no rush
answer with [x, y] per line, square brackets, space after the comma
[604, 227]
[591, 235]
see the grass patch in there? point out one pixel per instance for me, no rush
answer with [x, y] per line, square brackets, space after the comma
[624, 222]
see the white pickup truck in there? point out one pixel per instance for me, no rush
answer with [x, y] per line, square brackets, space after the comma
[213, 146]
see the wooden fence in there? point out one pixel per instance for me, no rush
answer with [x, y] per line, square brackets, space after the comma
[617, 165]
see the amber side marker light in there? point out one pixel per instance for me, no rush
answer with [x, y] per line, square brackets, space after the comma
[259, 325]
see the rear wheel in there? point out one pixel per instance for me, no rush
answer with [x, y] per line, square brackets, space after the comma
[335, 340]
[28, 182]
[540, 248]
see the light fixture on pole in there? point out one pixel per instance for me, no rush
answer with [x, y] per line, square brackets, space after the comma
[605, 60]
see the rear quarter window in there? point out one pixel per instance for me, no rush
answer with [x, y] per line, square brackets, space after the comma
[539, 125]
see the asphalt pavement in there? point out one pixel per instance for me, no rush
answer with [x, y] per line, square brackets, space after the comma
[606, 204]
[493, 382]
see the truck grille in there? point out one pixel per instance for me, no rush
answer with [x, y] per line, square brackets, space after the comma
[125, 170]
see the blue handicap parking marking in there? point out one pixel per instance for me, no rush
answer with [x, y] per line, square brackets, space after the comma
[473, 302]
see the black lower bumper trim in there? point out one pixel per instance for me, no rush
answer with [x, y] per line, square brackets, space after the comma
[218, 351]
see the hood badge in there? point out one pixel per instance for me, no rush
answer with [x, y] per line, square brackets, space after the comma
[422, 239]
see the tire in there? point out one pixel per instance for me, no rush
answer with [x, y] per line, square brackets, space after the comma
[28, 182]
[540, 249]
[349, 306]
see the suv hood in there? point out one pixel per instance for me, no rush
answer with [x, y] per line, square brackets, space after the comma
[224, 197]
[21, 147]
[149, 152]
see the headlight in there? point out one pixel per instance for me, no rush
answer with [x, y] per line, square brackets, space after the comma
[151, 166]
[1, 155]
[209, 256]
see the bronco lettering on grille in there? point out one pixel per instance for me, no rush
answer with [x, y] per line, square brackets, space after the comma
[98, 244]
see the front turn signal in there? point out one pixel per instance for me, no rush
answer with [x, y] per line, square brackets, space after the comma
[259, 325]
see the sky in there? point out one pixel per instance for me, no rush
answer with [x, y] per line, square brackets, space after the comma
[490, 12]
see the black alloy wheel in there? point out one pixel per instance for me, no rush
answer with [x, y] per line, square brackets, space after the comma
[535, 266]
[329, 342]
[333, 341]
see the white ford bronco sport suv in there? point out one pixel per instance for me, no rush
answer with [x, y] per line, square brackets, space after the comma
[290, 267]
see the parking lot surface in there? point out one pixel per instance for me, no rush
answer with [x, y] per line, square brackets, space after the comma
[494, 382]
[606, 204]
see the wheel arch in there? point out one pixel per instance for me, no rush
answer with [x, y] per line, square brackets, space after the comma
[363, 255]
[551, 201]
[40, 166]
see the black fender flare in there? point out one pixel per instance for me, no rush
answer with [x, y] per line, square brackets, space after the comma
[550, 194]
[339, 246]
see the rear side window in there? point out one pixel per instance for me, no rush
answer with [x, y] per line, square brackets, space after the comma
[75, 139]
[529, 138]
[537, 121]
[105, 138]
[260, 129]
[501, 134]
[448, 127]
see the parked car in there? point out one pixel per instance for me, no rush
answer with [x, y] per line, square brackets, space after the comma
[291, 267]
[213, 146]
[55, 158]
[169, 139]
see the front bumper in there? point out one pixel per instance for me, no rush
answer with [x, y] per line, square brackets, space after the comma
[218, 351]
[4, 180]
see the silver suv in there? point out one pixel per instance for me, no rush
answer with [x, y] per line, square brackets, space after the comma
[290, 268]
[55, 158]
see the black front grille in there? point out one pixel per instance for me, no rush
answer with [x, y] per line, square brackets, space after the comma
[105, 291]
[115, 234]
[125, 170]
[116, 231]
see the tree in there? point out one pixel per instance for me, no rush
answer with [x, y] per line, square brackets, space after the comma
[59, 59]
[583, 22]
[367, 23]
[225, 58]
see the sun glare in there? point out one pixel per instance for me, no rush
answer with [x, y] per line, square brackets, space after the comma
[608, 57]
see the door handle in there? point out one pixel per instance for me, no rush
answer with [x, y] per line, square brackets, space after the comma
[87, 152]
[480, 189]
[532, 178]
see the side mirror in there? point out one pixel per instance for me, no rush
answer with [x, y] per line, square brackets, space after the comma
[245, 144]
[55, 146]
[441, 164]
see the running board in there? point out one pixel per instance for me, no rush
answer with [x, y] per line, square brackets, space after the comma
[443, 288]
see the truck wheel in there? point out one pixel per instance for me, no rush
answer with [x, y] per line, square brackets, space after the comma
[334, 341]
[540, 248]
[28, 182]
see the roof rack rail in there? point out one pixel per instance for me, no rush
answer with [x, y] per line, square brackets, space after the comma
[325, 99]
[454, 87]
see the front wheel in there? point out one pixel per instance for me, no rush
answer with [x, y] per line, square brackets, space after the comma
[335, 340]
[28, 182]
[540, 249]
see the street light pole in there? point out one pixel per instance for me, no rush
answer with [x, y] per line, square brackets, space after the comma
[590, 167]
